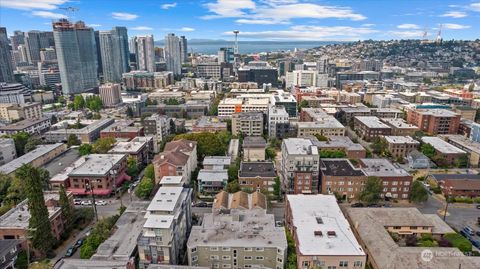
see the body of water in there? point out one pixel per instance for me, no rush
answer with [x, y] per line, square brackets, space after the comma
[249, 47]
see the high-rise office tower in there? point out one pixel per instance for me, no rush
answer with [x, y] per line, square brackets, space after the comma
[183, 49]
[145, 53]
[77, 56]
[6, 68]
[110, 94]
[17, 39]
[173, 55]
[113, 52]
[35, 41]
[225, 55]
[99, 55]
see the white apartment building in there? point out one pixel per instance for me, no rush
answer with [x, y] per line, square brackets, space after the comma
[277, 116]
[306, 78]
[229, 106]
[164, 235]
[7, 150]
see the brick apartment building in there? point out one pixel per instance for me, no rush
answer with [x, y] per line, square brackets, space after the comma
[434, 121]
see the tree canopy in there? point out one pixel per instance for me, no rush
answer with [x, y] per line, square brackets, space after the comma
[78, 102]
[103, 145]
[428, 150]
[417, 193]
[85, 149]
[208, 144]
[372, 190]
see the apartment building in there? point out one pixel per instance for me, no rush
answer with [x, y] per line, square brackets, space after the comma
[110, 94]
[143, 80]
[341, 177]
[122, 129]
[373, 226]
[396, 181]
[257, 176]
[88, 134]
[209, 124]
[401, 146]
[140, 148]
[41, 155]
[242, 238]
[400, 127]
[230, 106]
[444, 151]
[158, 126]
[239, 200]
[211, 182]
[247, 123]
[100, 174]
[370, 127]
[216, 162]
[323, 237]
[466, 144]
[13, 112]
[168, 222]
[325, 127]
[299, 166]
[31, 126]
[278, 123]
[179, 158]
[434, 121]
[7, 150]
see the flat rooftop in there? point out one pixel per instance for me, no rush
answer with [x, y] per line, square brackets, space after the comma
[23, 124]
[166, 180]
[339, 167]
[437, 112]
[98, 164]
[314, 214]
[372, 122]
[19, 216]
[29, 157]
[257, 169]
[463, 142]
[217, 160]
[381, 168]
[244, 228]
[391, 139]
[442, 145]
[300, 146]
[159, 221]
[165, 199]
[370, 226]
[325, 123]
[131, 147]
[254, 142]
[338, 142]
[398, 123]
[213, 175]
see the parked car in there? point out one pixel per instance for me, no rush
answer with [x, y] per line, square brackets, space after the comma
[468, 230]
[87, 202]
[200, 204]
[70, 252]
[477, 233]
[101, 202]
[77, 201]
[478, 206]
[79, 243]
[357, 205]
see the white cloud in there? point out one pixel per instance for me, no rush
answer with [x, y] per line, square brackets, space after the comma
[32, 4]
[94, 25]
[169, 5]
[368, 24]
[408, 26]
[48, 14]
[455, 14]
[186, 29]
[454, 26]
[311, 33]
[124, 16]
[276, 11]
[406, 34]
[475, 7]
[141, 28]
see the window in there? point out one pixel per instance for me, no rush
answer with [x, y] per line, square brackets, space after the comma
[358, 264]
[247, 249]
[247, 266]
[214, 249]
[194, 250]
[247, 258]
[332, 267]
[306, 263]
[214, 257]
[258, 249]
[226, 258]
[259, 258]
[194, 258]
[343, 264]
[216, 265]
[280, 260]
[226, 266]
[225, 249]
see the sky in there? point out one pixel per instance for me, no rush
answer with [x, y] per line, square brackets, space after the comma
[276, 20]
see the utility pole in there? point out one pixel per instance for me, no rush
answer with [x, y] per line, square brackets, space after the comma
[90, 187]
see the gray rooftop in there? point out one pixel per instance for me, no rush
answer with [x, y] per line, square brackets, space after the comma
[254, 142]
[372, 122]
[98, 164]
[213, 175]
[216, 160]
[23, 124]
[166, 199]
[382, 168]
[29, 157]
[300, 146]
[401, 140]
[442, 145]
[338, 142]
[257, 169]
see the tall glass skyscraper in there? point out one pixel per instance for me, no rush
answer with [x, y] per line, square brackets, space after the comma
[183, 49]
[6, 68]
[145, 53]
[77, 56]
[114, 53]
[173, 55]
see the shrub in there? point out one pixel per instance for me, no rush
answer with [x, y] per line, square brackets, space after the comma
[411, 240]
[459, 242]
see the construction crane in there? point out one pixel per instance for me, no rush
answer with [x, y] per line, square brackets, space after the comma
[425, 33]
[70, 11]
[439, 34]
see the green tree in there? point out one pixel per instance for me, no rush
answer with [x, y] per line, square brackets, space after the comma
[85, 149]
[78, 102]
[418, 193]
[129, 112]
[321, 137]
[371, 191]
[205, 87]
[103, 145]
[277, 188]
[39, 224]
[96, 116]
[208, 144]
[332, 154]
[232, 186]
[145, 187]
[291, 251]
[233, 170]
[428, 150]
[32, 144]
[270, 153]
[471, 87]
[72, 140]
[303, 104]
[172, 101]
[94, 103]
[132, 167]
[461, 162]
[20, 139]
[65, 205]
[149, 171]
[380, 146]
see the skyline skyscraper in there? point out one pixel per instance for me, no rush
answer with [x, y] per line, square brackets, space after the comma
[184, 49]
[173, 56]
[77, 56]
[225, 55]
[145, 53]
[35, 41]
[17, 39]
[114, 53]
[6, 68]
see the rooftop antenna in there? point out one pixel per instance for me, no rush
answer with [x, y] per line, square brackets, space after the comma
[70, 11]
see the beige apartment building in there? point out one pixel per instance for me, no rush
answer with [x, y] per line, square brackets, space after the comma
[247, 123]
[401, 146]
[14, 112]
